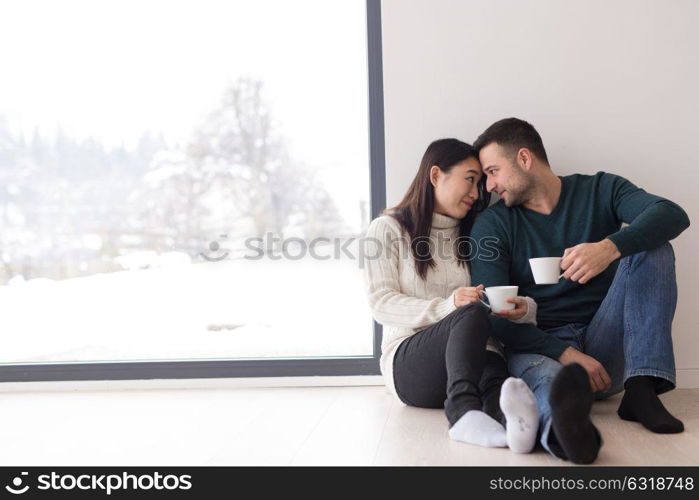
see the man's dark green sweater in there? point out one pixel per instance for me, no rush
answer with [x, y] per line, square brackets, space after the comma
[590, 209]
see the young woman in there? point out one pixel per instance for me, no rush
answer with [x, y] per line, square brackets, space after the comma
[437, 350]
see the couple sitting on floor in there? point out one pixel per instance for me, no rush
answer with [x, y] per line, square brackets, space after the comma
[605, 327]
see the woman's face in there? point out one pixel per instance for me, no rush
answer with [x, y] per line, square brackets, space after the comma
[455, 192]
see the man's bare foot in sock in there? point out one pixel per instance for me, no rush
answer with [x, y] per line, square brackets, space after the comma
[571, 402]
[641, 404]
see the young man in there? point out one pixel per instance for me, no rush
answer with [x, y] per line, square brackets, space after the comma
[609, 317]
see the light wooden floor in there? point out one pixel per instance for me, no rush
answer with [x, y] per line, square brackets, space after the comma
[288, 426]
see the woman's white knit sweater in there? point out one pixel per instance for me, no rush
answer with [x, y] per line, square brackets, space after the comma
[403, 302]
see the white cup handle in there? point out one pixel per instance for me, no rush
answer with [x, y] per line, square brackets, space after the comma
[486, 304]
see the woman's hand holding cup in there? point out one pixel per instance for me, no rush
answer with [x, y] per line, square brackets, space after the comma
[465, 295]
[520, 310]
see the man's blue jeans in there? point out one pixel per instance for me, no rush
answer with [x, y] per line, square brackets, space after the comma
[630, 334]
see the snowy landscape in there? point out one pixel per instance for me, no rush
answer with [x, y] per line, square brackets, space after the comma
[208, 310]
[118, 176]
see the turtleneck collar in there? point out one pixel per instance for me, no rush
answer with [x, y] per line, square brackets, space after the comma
[440, 221]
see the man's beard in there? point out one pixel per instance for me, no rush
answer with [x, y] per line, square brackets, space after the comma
[514, 198]
[522, 192]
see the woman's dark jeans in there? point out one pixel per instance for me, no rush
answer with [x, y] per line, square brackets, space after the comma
[447, 366]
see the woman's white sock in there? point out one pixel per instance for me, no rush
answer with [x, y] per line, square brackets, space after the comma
[479, 428]
[518, 404]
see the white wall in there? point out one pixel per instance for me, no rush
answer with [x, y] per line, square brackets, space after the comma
[610, 85]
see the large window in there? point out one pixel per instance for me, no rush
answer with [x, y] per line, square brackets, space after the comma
[183, 185]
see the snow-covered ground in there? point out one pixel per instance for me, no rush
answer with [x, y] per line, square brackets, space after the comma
[208, 310]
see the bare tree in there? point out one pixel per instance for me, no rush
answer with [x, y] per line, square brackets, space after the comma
[237, 166]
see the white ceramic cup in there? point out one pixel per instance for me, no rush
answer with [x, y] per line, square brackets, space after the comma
[498, 295]
[546, 270]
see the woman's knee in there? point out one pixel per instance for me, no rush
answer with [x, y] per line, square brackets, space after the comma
[473, 312]
[471, 320]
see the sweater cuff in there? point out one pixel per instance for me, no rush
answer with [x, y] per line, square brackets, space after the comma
[447, 307]
[554, 348]
[530, 316]
[628, 241]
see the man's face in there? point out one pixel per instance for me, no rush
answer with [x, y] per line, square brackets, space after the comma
[504, 176]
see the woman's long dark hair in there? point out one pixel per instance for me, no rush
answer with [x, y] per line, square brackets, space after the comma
[414, 212]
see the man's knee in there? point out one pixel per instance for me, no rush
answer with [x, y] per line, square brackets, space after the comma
[535, 369]
[663, 255]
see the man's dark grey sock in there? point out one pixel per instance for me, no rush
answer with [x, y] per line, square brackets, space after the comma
[641, 404]
[571, 402]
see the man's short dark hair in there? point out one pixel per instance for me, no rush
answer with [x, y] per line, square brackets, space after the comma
[512, 134]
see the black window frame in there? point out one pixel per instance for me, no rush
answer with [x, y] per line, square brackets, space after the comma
[239, 368]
